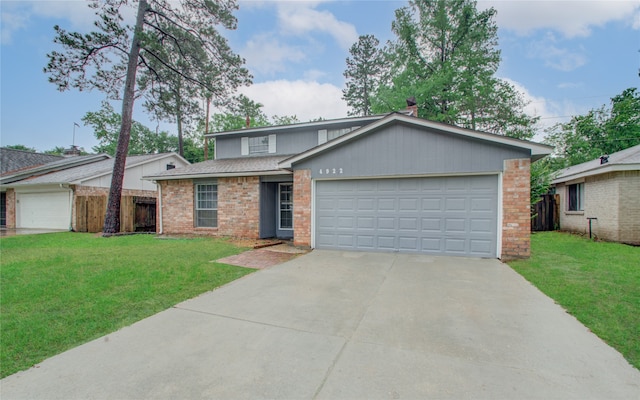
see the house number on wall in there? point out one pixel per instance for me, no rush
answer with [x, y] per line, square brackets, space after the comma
[330, 171]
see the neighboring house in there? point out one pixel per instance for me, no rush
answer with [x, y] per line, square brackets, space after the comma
[44, 197]
[378, 183]
[11, 161]
[606, 189]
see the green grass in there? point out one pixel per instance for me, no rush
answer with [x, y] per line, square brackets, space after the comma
[63, 289]
[597, 282]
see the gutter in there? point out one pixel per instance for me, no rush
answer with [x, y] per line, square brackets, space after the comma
[72, 195]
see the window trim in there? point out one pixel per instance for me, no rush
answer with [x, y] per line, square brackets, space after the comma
[196, 208]
[280, 203]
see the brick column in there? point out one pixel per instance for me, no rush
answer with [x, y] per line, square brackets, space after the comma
[11, 208]
[516, 209]
[302, 207]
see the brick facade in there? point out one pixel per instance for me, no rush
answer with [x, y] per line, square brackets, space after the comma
[177, 207]
[238, 208]
[516, 223]
[302, 207]
[612, 198]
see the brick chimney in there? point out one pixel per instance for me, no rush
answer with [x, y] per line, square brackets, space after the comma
[412, 107]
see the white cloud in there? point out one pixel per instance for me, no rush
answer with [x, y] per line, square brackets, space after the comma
[301, 18]
[266, 55]
[306, 100]
[556, 57]
[572, 18]
[570, 85]
[550, 112]
[12, 21]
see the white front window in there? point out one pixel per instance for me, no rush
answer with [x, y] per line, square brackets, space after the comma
[285, 205]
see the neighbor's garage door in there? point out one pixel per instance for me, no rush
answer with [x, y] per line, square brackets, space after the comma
[442, 215]
[43, 210]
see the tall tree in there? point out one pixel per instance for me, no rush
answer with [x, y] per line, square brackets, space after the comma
[108, 59]
[364, 69]
[446, 56]
[601, 131]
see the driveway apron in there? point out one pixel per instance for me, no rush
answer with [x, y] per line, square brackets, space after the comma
[347, 325]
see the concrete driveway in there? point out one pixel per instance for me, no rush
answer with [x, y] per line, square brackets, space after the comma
[346, 325]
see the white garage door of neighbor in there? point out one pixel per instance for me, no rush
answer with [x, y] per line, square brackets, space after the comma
[49, 210]
[440, 215]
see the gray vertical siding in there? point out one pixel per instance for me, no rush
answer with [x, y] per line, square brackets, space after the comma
[286, 143]
[407, 150]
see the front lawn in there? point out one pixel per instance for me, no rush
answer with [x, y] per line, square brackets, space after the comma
[597, 282]
[63, 289]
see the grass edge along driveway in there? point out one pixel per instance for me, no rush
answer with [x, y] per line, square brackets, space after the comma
[60, 290]
[596, 282]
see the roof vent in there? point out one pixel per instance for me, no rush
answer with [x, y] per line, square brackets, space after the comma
[604, 159]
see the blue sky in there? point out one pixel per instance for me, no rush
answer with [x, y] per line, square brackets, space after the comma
[566, 57]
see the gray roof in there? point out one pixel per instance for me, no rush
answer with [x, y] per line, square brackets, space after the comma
[58, 165]
[349, 121]
[78, 174]
[627, 159]
[15, 160]
[267, 165]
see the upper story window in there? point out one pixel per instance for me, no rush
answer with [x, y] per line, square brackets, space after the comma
[258, 145]
[575, 197]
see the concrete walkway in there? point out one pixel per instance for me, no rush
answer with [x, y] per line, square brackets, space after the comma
[346, 325]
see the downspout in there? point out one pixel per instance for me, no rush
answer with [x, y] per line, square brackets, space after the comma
[159, 207]
[71, 197]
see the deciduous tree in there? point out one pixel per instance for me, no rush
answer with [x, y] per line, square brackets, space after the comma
[601, 131]
[446, 56]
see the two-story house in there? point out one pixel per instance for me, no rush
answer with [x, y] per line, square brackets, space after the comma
[377, 183]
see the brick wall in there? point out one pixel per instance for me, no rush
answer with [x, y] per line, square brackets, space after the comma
[613, 199]
[177, 207]
[302, 207]
[629, 206]
[516, 223]
[239, 207]
[104, 191]
[11, 208]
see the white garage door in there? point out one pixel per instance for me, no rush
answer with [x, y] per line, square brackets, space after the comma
[49, 210]
[440, 216]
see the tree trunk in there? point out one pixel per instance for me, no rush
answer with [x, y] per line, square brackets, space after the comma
[112, 218]
[206, 132]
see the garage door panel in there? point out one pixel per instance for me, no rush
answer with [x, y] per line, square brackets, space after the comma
[386, 223]
[455, 245]
[432, 204]
[386, 242]
[445, 215]
[480, 225]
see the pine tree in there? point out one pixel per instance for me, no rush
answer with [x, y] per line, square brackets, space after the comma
[363, 72]
[109, 58]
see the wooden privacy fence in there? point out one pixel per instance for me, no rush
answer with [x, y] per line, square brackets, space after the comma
[545, 215]
[137, 214]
